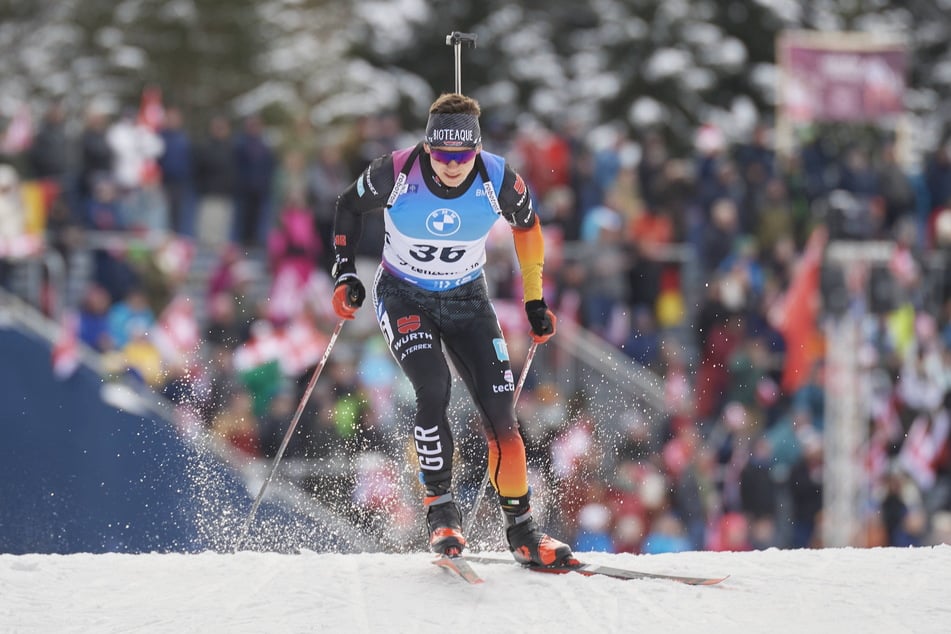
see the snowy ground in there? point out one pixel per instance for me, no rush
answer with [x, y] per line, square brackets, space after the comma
[843, 590]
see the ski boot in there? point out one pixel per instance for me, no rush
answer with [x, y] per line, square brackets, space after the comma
[444, 521]
[529, 545]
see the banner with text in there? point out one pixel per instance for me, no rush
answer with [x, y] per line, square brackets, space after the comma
[840, 76]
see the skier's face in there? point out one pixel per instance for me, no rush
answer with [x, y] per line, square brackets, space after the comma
[452, 165]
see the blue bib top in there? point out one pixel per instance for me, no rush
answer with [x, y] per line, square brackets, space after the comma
[437, 243]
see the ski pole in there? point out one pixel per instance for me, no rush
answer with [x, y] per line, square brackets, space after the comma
[485, 480]
[287, 435]
[455, 39]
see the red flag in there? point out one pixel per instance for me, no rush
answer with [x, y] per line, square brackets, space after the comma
[796, 315]
[66, 348]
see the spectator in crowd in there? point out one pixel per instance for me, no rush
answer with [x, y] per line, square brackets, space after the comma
[720, 237]
[805, 480]
[46, 158]
[223, 328]
[857, 174]
[594, 535]
[756, 158]
[130, 315]
[327, 175]
[938, 175]
[215, 182]
[758, 495]
[290, 179]
[233, 276]
[12, 212]
[95, 154]
[135, 148]
[141, 359]
[902, 511]
[176, 164]
[12, 219]
[898, 198]
[667, 535]
[255, 164]
[731, 534]
[774, 216]
[604, 289]
[94, 319]
[102, 209]
[274, 423]
[653, 162]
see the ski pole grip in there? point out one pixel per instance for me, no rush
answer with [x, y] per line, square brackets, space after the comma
[457, 38]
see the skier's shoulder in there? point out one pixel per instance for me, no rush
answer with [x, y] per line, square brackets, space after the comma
[513, 195]
[495, 164]
[379, 177]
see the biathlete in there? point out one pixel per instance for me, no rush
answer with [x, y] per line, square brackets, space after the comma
[440, 198]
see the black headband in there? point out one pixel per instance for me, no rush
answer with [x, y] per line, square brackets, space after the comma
[453, 130]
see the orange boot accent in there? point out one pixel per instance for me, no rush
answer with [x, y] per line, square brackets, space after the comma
[442, 539]
[530, 546]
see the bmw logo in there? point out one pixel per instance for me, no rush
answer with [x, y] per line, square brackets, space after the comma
[443, 222]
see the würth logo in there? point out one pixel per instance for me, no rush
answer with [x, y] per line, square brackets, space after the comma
[519, 185]
[408, 324]
[340, 240]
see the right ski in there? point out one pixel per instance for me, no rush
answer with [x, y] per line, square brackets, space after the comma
[591, 570]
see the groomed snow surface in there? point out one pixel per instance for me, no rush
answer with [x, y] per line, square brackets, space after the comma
[804, 591]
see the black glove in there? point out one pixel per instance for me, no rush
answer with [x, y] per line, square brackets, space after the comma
[349, 292]
[348, 296]
[541, 319]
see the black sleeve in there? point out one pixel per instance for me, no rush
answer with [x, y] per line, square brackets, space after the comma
[515, 201]
[368, 193]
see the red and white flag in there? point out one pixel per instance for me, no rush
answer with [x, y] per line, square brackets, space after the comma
[66, 348]
[151, 110]
[177, 335]
[923, 443]
[151, 116]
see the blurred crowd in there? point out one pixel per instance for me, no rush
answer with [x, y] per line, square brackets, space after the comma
[705, 267]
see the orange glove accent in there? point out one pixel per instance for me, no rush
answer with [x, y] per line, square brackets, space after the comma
[348, 297]
[545, 337]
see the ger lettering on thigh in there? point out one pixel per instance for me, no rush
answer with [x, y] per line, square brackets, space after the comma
[415, 344]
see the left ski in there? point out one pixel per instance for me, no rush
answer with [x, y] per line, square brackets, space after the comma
[591, 570]
[458, 566]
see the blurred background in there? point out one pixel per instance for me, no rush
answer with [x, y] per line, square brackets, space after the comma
[747, 210]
